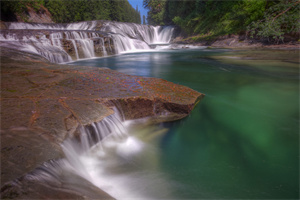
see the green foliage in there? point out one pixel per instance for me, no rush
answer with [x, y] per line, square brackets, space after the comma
[156, 11]
[280, 19]
[263, 18]
[66, 11]
[11, 8]
[218, 17]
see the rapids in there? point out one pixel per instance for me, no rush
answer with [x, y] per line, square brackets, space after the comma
[60, 43]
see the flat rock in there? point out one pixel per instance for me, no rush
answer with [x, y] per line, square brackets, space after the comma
[44, 103]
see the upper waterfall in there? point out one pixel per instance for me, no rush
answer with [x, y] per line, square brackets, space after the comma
[67, 42]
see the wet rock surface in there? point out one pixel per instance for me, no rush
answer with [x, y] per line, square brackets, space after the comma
[43, 103]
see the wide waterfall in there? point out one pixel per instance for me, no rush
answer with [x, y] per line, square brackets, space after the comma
[61, 43]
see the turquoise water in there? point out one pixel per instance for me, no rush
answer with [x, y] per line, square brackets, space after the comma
[242, 139]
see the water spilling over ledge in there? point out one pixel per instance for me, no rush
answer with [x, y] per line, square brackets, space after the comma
[90, 159]
[46, 105]
[61, 43]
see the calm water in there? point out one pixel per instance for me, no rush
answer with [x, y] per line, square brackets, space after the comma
[241, 141]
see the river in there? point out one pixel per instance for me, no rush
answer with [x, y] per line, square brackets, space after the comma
[240, 142]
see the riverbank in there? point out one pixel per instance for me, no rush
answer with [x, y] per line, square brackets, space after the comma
[235, 41]
[43, 103]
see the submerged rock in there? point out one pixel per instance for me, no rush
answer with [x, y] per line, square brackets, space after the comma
[44, 103]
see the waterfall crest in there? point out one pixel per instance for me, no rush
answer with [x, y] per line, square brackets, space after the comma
[61, 43]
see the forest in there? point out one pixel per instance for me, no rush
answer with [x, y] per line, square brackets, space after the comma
[271, 20]
[199, 19]
[73, 11]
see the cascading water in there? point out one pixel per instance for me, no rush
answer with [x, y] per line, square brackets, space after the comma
[51, 40]
[146, 33]
[90, 25]
[163, 34]
[85, 41]
[91, 144]
[93, 155]
[126, 44]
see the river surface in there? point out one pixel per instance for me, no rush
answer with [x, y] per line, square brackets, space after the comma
[240, 142]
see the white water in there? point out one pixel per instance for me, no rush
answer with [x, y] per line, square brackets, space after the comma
[126, 37]
[36, 26]
[146, 33]
[108, 156]
[103, 47]
[85, 41]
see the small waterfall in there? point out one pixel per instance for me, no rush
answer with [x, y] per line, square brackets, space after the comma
[110, 155]
[125, 44]
[55, 41]
[163, 34]
[86, 44]
[103, 47]
[87, 154]
[75, 47]
[91, 143]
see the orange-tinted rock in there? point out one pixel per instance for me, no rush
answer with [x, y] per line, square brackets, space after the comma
[47, 102]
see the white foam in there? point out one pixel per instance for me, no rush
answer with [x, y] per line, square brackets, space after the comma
[126, 37]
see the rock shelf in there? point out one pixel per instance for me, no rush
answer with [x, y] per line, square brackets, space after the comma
[44, 103]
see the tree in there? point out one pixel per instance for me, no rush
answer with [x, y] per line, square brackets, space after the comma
[144, 19]
[66, 11]
[280, 19]
[10, 9]
[156, 11]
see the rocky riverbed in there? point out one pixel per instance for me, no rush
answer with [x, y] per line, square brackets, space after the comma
[237, 41]
[43, 103]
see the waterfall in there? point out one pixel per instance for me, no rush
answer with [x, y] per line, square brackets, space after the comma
[56, 39]
[125, 44]
[91, 141]
[163, 34]
[103, 47]
[75, 47]
[67, 42]
[85, 42]
[89, 156]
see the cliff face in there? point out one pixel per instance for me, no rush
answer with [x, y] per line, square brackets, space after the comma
[42, 15]
[28, 14]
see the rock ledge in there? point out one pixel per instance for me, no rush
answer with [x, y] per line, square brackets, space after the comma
[44, 103]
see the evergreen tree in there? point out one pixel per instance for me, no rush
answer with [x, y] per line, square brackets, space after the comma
[144, 19]
[66, 11]
[262, 18]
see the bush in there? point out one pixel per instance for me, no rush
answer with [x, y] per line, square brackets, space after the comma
[279, 19]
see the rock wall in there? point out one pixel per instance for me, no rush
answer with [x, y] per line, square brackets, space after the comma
[42, 15]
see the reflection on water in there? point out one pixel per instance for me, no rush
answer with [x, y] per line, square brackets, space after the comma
[241, 141]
